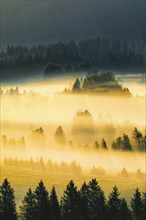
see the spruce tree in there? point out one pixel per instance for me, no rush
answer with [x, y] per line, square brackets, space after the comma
[42, 202]
[7, 202]
[137, 205]
[126, 143]
[97, 201]
[28, 208]
[114, 204]
[125, 213]
[70, 202]
[84, 205]
[54, 206]
[76, 86]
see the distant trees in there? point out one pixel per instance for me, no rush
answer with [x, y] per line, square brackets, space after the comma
[122, 143]
[95, 82]
[60, 136]
[88, 203]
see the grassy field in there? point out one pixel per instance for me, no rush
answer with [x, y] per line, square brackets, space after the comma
[21, 179]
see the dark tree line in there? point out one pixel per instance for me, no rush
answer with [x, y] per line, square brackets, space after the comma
[99, 52]
[88, 203]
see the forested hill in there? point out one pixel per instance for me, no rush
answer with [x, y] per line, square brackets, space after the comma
[101, 53]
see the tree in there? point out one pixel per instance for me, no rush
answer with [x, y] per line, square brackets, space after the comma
[114, 204]
[126, 143]
[54, 206]
[7, 202]
[60, 136]
[70, 202]
[76, 86]
[137, 135]
[103, 144]
[125, 213]
[28, 209]
[117, 144]
[84, 205]
[97, 201]
[42, 202]
[137, 205]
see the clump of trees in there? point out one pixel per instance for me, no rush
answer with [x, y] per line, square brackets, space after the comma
[95, 82]
[87, 203]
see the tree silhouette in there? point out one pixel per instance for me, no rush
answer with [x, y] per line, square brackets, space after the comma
[126, 143]
[84, 205]
[125, 213]
[137, 205]
[70, 202]
[114, 204]
[76, 86]
[103, 144]
[42, 202]
[54, 206]
[7, 202]
[28, 208]
[97, 201]
[60, 136]
[137, 135]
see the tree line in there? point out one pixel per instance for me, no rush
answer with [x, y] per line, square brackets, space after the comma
[87, 203]
[101, 52]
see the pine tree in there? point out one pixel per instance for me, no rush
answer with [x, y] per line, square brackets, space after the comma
[104, 144]
[76, 86]
[42, 202]
[125, 213]
[28, 209]
[97, 201]
[137, 205]
[54, 206]
[70, 202]
[126, 143]
[114, 204]
[144, 206]
[84, 205]
[7, 202]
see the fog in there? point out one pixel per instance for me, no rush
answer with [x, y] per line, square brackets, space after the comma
[42, 105]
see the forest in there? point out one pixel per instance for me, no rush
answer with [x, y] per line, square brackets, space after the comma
[65, 58]
[87, 203]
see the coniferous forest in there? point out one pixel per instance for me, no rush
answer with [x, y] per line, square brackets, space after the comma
[87, 203]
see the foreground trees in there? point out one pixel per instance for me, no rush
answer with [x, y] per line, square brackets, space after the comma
[88, 203]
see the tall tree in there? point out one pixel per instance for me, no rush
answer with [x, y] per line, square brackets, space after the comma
[28, 208]
[97, 201]
[7, 202]
[70, 202]
[114, 204]
[84, 205]
[125, 213]
[54, 205]
[42, 202]
[137, 135]
[137, 205]
[104, 144]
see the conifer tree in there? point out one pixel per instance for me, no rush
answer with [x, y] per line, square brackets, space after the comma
[70, 202]
[54, 205]
[7, 202]
[114, 204]
[28, 208]
[42, 202]
[97, 201]
[125, 213]
[137, 205]
[84, 206]
[76, 86]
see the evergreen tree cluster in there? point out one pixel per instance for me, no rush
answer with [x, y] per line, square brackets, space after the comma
[101, 52]
[95, 82]
[88, 203]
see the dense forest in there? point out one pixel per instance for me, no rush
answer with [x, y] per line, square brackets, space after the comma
[71, 57]
[87, 203]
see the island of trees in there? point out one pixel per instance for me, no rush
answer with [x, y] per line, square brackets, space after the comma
[87, 203]
[98, 83]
